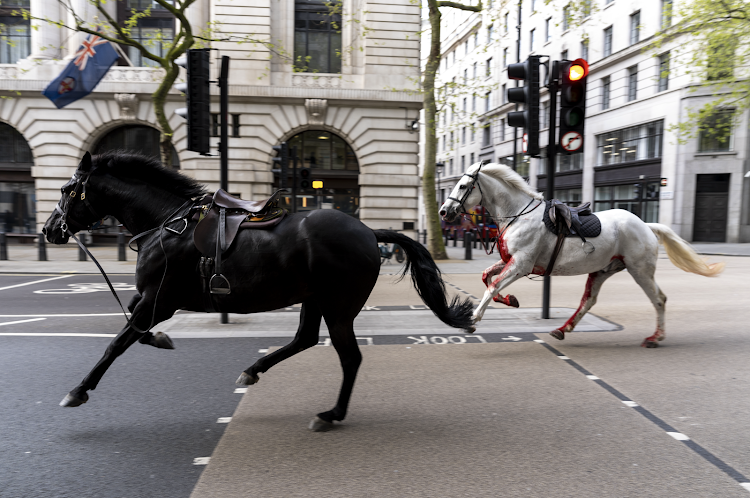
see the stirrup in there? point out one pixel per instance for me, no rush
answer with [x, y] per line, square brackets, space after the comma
[219, 285]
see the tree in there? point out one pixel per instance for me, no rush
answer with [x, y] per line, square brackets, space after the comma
[434, 232]
[710, 41]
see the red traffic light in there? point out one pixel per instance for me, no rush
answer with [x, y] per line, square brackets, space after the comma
[577, 70]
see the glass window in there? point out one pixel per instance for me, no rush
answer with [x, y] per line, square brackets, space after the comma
[137, 138]
[570, 196]
[666, 13]
[15, 153]
[607, 41]
[632, 83]
[506, 22]
[15, 36]
[635, 27]
[568, 162]
[641, 199]
[531, 39]
[566, 18]
[155, 31]
[317, 37]
[17, 207]
[630, 144]
[585, 50]
[716, 132]
[605, 92]
[489, 67]
[547, 30]
[663, 69]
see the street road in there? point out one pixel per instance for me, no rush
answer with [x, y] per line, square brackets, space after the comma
[158, 415]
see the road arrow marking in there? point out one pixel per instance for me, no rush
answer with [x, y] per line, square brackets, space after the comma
[512, 338]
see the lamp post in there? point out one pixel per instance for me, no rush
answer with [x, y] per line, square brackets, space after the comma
[439, 169]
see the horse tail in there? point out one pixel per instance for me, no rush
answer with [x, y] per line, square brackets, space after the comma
[681, 254]
[425, 275]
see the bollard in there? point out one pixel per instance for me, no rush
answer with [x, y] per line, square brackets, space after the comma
[3, 247]
[121, 254]
[475, 238]
[81, 252]
[424, 234]
[455, 238]
[42, 248]
[467, 245]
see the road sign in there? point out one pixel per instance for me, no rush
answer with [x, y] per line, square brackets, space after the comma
[525, 142]
[571, 141]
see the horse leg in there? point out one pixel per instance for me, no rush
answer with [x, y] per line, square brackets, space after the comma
[343, 339]
[644, 276]
[509, 300]
[593, 286]
[160, 339]
[141, 318]
[512, 271]
[307, 336]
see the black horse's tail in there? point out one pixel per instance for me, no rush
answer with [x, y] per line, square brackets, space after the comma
[425, 275]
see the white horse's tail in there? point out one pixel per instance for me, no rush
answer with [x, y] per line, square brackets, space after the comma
[681, 254]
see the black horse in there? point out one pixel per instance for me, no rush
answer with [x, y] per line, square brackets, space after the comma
[324, 259]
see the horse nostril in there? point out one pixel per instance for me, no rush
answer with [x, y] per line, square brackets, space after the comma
[44, 231]
[442, 212]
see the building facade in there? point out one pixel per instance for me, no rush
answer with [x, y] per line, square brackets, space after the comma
[314, 77]
[635, 95]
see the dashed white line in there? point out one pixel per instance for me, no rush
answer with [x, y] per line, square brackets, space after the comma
[34, 282]
[563, 357]
[201, 460]
[631, 404]
[539, 341]
[592, 377]
[679, 436]
[22, 321]
[224, 420]
[240, 390]
[745, 485]
[263, 351]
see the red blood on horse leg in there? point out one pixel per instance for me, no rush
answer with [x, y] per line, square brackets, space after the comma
[497, 281]
[538, 270]
[509, 300]
[573, 320]
[503, 248]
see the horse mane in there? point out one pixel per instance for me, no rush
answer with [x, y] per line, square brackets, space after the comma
[506, 174]
[147, 169]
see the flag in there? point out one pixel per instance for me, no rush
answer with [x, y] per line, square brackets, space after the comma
[89, 65]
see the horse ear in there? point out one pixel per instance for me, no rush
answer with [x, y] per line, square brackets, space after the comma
[85, 164]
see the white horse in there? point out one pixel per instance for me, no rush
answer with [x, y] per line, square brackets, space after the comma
[526, 245]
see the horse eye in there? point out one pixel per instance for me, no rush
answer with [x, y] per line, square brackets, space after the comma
[462, 186]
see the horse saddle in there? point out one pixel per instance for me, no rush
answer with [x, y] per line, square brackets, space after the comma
[220, 218]
[578, 221]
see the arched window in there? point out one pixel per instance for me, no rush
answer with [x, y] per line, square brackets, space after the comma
[134, 138]
[17, 195]
[332, 162]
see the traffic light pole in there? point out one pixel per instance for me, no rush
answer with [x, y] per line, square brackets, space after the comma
[224, 144]
[553, 88]
[294, 179]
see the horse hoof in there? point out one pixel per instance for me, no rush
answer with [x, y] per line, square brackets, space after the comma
[162, 341]
[246, 380]
[470, 330]
[649, 344]
[512, 301]
[319, 425]
[558, 334]
[70, 401]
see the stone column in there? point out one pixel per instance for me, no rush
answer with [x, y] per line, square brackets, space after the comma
[46, 39]
[89, 13]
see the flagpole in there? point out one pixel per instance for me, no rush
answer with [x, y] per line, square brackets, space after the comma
[122, 54]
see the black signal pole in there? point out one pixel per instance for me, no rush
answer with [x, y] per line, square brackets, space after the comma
[518, 60]
[553, 88]
[294, 179]
[224, 144]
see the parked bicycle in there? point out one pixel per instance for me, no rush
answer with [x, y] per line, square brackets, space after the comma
[387, 252]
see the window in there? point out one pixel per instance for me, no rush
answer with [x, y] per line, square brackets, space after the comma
[466, 47]
[463, 164]
[566, 18]
[464, 107]
[570, 196]
[475, 70]
[471, 159]
[642, 202]
[504, 94]
[632, 83]
[137, 138]
[473, 103]
[466, 76]
[463, 136]
[15, 153]
[317, 37]
[607, 42]
[15, 32]
[445, 143]
[635, 27]
[721, 58]
[486, 135]
[505, 22]
[487, 101]
[489, 34]
[505, 57]
[473, 136]
[547, 31]
[565, 162]
[452, 141]
[630, 144]
[453, 57]
[663, 69]
[666, 13]
[585, 50]
[533, 5]
[450, 167]
[531, 39]
[716, 132]
[155, 32]
[522, 163]
[488, 72]
[502, 130]
[605, 92]
[476, 39]
[544, 118]
[564, 55]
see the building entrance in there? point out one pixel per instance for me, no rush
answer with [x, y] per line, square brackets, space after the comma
[711, 208]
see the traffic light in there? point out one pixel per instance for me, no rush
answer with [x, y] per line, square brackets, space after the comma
[528, 95]
[637, 191]
[572, 105]
[281, 162]
[304, 178]
[198, 110]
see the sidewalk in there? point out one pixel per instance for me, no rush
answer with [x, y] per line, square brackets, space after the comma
[64, 259]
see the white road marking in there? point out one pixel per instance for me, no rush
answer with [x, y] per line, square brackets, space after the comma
[51, 334]
[745, 485]
[563, 357]
[240, 390]
[224, 420]
[263, 351]
[34, 282]
[201, 460]
[539, 341]
[631, 404]
[592, 377]
[22, 321]
[679, 436]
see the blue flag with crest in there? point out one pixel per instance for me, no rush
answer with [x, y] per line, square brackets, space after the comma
[89, 65]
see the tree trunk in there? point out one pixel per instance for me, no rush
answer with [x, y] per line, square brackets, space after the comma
[434, 230]
[159, 98]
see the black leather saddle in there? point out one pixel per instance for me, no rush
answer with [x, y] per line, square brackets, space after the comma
[578, 221]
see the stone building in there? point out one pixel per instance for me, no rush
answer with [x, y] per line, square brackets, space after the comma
[349, 109]
[635, 93]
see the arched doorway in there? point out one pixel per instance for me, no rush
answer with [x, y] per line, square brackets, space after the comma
[331, 161]
[17, 194]
[134, 138]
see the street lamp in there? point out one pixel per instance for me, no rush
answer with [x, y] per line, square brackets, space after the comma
[439, 169]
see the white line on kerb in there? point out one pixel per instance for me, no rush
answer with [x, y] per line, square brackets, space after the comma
[240, 390]
[539, 341]
[745, 485]
[679, 436]
[224, 420]
[34, 282]
[263, 351]
[563, 357]
[592, 377]
[201, 460]
[631, 404]
[22, 321]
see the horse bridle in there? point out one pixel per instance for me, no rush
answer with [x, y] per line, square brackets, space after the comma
[82, 179]
[474, 177]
